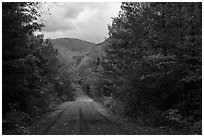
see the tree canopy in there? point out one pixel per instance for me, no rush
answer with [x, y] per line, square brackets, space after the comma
[32, 81]
[153, 62]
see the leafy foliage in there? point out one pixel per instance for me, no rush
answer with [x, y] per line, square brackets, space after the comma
[153, 60]
[30, 69]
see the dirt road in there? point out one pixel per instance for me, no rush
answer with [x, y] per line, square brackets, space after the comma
[82, 116]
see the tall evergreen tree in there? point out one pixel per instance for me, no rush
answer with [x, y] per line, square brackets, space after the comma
[154, 58]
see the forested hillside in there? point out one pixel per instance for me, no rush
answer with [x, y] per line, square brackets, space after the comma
[75, 45]
[80, 56]
[71, 49]
[152, 68]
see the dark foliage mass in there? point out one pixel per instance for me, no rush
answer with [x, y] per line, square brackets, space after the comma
[32, 83]
[153, 63]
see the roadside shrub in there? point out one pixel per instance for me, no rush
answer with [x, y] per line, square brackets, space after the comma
[172, 118]
[197, 128]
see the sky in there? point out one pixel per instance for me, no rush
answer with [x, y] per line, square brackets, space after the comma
[82, 20]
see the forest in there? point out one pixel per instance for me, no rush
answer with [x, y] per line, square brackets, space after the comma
[150, 67]
[34, 79]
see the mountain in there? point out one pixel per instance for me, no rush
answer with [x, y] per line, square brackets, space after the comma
[70, 44]
[70, 48]
[80, 58]
[82, 53]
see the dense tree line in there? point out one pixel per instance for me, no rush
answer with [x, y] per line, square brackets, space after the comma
[153, 64]
[32, 77]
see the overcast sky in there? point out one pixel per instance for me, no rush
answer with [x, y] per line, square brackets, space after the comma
[87, 21]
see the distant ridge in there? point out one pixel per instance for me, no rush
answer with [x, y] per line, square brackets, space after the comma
[72, 44]
[75, 39]
[82, 54]
[105, 41]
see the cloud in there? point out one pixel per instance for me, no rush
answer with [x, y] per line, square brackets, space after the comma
[86, 21]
